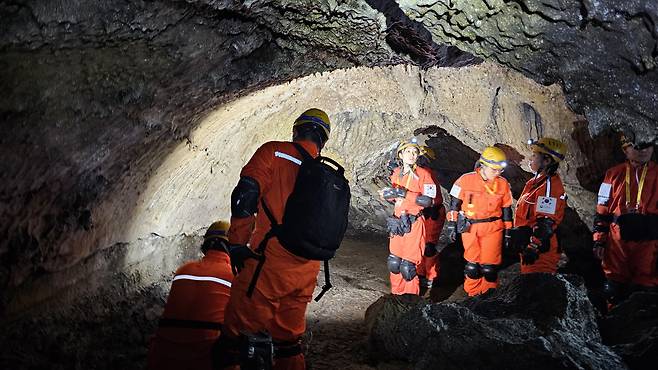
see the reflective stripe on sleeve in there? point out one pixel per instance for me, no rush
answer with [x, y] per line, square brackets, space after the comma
[203, 278]
[604, 193]
[288, 157]
[456, 189]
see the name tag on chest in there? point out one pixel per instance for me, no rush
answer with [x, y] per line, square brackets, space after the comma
[546, 205]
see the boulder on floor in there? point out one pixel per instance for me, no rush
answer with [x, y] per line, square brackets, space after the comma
[631, 330]
[538, 321]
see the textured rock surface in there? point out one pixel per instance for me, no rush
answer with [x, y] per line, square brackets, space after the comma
[603, 52]
[95, 95]
[631, 330]
[512, 327]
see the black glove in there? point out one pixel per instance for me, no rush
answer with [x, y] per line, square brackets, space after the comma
[451, 231]
[423, 201]
[530, 254]
[239, 254]
[394, 226]
[405, 222]
[598, 249]
[507, 239]
[430, 250]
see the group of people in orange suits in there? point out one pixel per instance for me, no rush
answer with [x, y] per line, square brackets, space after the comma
[242, 306]
[480, 210]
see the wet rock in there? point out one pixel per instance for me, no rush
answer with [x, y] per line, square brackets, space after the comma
[538, 321]
[631, 330]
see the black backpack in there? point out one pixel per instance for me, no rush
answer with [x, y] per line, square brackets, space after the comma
[315, 216]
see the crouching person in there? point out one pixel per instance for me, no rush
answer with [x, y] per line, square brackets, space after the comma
[194, 311]
[413, 190]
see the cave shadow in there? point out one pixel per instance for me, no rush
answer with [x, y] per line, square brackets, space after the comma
[600, 154]
[412, 38]
[453, 159]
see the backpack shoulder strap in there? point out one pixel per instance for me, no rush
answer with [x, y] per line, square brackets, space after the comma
[274, 227]
[302, 151]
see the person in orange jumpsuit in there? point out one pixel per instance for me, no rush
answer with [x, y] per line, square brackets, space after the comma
[481, 210]
[194, 311]
[285, 282]
[625, 224]
[417, 191]
[435, 216]
[541, 207]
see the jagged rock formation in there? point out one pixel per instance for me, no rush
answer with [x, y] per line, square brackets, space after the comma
[604, 53]
[631, 330]
[512, 327]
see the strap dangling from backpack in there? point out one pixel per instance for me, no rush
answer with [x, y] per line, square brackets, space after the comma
[327, 281]
[261, 248]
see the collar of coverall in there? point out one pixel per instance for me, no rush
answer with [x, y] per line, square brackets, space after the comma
[310, 147]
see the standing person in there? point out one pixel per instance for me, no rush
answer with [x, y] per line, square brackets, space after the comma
[541, 207]
[481, 210]
[270, 298]
[194, 311]
[414, 190]
[435, 217]
[625, 224]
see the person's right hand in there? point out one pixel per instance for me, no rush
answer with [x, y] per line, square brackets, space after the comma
[599, 249]
[239, 254]
[451, 231]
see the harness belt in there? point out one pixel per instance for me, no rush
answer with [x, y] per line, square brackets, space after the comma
[188, 324]
[482, 220]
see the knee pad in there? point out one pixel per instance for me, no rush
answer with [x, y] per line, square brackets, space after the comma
[256, 351]
[408, 270]
[613, 291]
[393, 263]
[472, 270]
[490, 272]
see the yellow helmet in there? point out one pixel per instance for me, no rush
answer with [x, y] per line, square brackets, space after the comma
[314, 116]
[413, 143]
[493, 157]
[218, 229]
[553, 147]
[427, 152]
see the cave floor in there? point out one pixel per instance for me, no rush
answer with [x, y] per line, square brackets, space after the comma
[336, 334]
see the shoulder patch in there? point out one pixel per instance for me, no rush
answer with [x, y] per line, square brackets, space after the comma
[455, 190]
[604, 193]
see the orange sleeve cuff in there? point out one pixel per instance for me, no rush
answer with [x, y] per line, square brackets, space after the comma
[240, 230]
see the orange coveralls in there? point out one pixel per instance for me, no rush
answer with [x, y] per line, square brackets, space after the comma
[411, 245]
[627, 261]
[429, 266]
[199, 292]
[286, 282]
[483, 241]
[528, 209]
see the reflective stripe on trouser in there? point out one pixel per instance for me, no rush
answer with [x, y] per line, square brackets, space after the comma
[630, 262]
[547, 261]
[483, 244]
